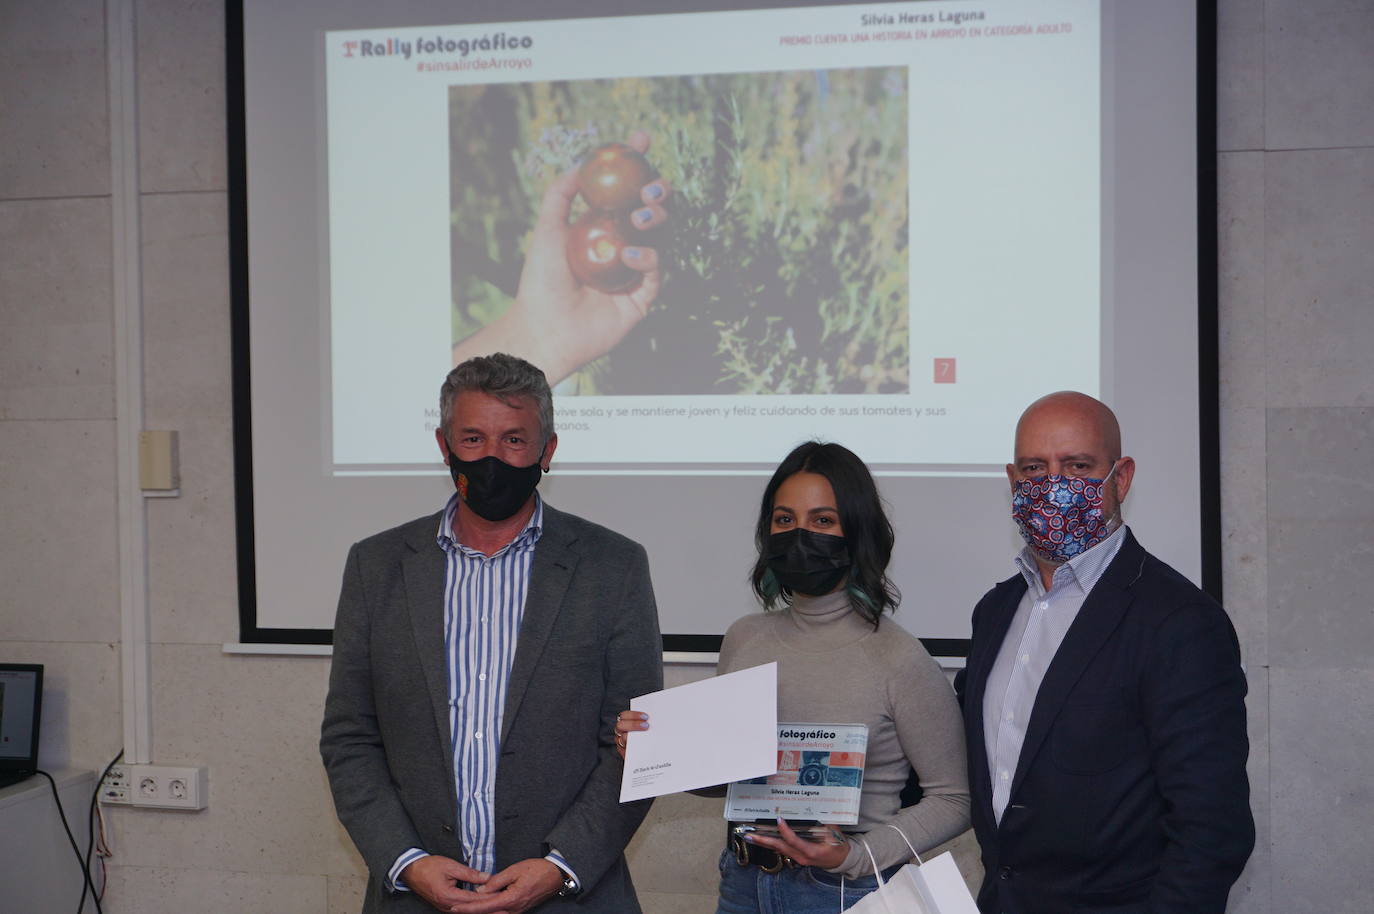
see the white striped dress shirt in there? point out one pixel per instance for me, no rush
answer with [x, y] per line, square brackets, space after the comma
[1042, 620]
[484, 601]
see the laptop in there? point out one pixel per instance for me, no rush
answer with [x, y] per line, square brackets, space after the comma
[21, 700]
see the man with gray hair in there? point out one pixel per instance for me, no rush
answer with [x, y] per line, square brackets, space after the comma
[480, 657]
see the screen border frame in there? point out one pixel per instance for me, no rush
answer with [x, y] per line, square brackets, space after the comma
[1209, 406]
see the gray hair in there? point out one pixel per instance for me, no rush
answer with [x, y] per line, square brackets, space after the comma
[505, 377]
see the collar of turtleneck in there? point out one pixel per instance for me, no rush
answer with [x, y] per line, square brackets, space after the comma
[824, 623]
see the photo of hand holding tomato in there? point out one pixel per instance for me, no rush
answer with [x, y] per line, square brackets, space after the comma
[780, 266]
[584, 284]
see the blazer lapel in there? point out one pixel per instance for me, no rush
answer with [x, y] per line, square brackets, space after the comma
[1106, 605]
[550, 573]
[1001, 608]
[424, 571]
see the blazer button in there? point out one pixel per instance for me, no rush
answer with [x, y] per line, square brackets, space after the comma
[1004, 873]
[446, 829]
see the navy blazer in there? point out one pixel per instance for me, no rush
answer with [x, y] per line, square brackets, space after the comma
[1130, 794]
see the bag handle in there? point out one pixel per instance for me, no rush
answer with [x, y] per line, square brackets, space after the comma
[919, 861]
[877, 874]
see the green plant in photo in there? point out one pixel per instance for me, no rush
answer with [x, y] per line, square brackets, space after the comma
[785, 253]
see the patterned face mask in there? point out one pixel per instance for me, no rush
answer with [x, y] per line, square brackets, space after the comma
[1061, 516]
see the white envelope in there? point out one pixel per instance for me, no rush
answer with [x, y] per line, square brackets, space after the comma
[704, 733]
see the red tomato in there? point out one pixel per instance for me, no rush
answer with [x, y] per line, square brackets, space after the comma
[613, 176]
[594, 245]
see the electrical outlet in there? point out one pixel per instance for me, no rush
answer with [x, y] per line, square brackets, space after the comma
[156, 786]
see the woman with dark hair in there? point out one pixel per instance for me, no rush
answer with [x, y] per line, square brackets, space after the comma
[860, 525]
[824, 543]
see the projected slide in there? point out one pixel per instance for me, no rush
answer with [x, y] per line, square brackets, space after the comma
[862, 223]
[765, 169]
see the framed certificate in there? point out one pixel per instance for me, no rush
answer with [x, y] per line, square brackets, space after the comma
[819, 778]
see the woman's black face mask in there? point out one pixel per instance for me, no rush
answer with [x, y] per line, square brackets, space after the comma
[808, 563]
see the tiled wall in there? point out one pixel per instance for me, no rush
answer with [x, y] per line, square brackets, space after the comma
[1297, 318]
[58, 551]
[1296, 221]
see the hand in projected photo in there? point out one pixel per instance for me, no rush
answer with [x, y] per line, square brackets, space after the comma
[561, 318]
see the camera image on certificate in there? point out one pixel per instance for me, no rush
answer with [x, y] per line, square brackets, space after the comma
[819, 778]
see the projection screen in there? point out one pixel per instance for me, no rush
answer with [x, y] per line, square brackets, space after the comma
[887, 225]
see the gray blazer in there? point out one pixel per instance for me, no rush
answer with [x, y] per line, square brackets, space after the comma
[588, 643]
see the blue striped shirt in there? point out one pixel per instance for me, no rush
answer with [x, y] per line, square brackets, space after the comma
[1042, 620]
[484, 601]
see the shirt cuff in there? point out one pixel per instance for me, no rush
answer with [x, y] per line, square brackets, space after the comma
[394, 883]
[554, 857]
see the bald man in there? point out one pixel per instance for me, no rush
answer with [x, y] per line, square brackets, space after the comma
[1104, 701]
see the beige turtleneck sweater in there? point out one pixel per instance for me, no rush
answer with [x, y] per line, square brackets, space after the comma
[834, 667]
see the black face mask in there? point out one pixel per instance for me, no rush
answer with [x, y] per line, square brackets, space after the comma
[806, 562]
[492, 488]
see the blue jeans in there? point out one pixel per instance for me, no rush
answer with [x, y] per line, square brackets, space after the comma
[792, 890]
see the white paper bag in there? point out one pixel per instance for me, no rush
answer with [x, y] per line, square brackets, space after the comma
[940, 885]
[897, 895]
[932, 887]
